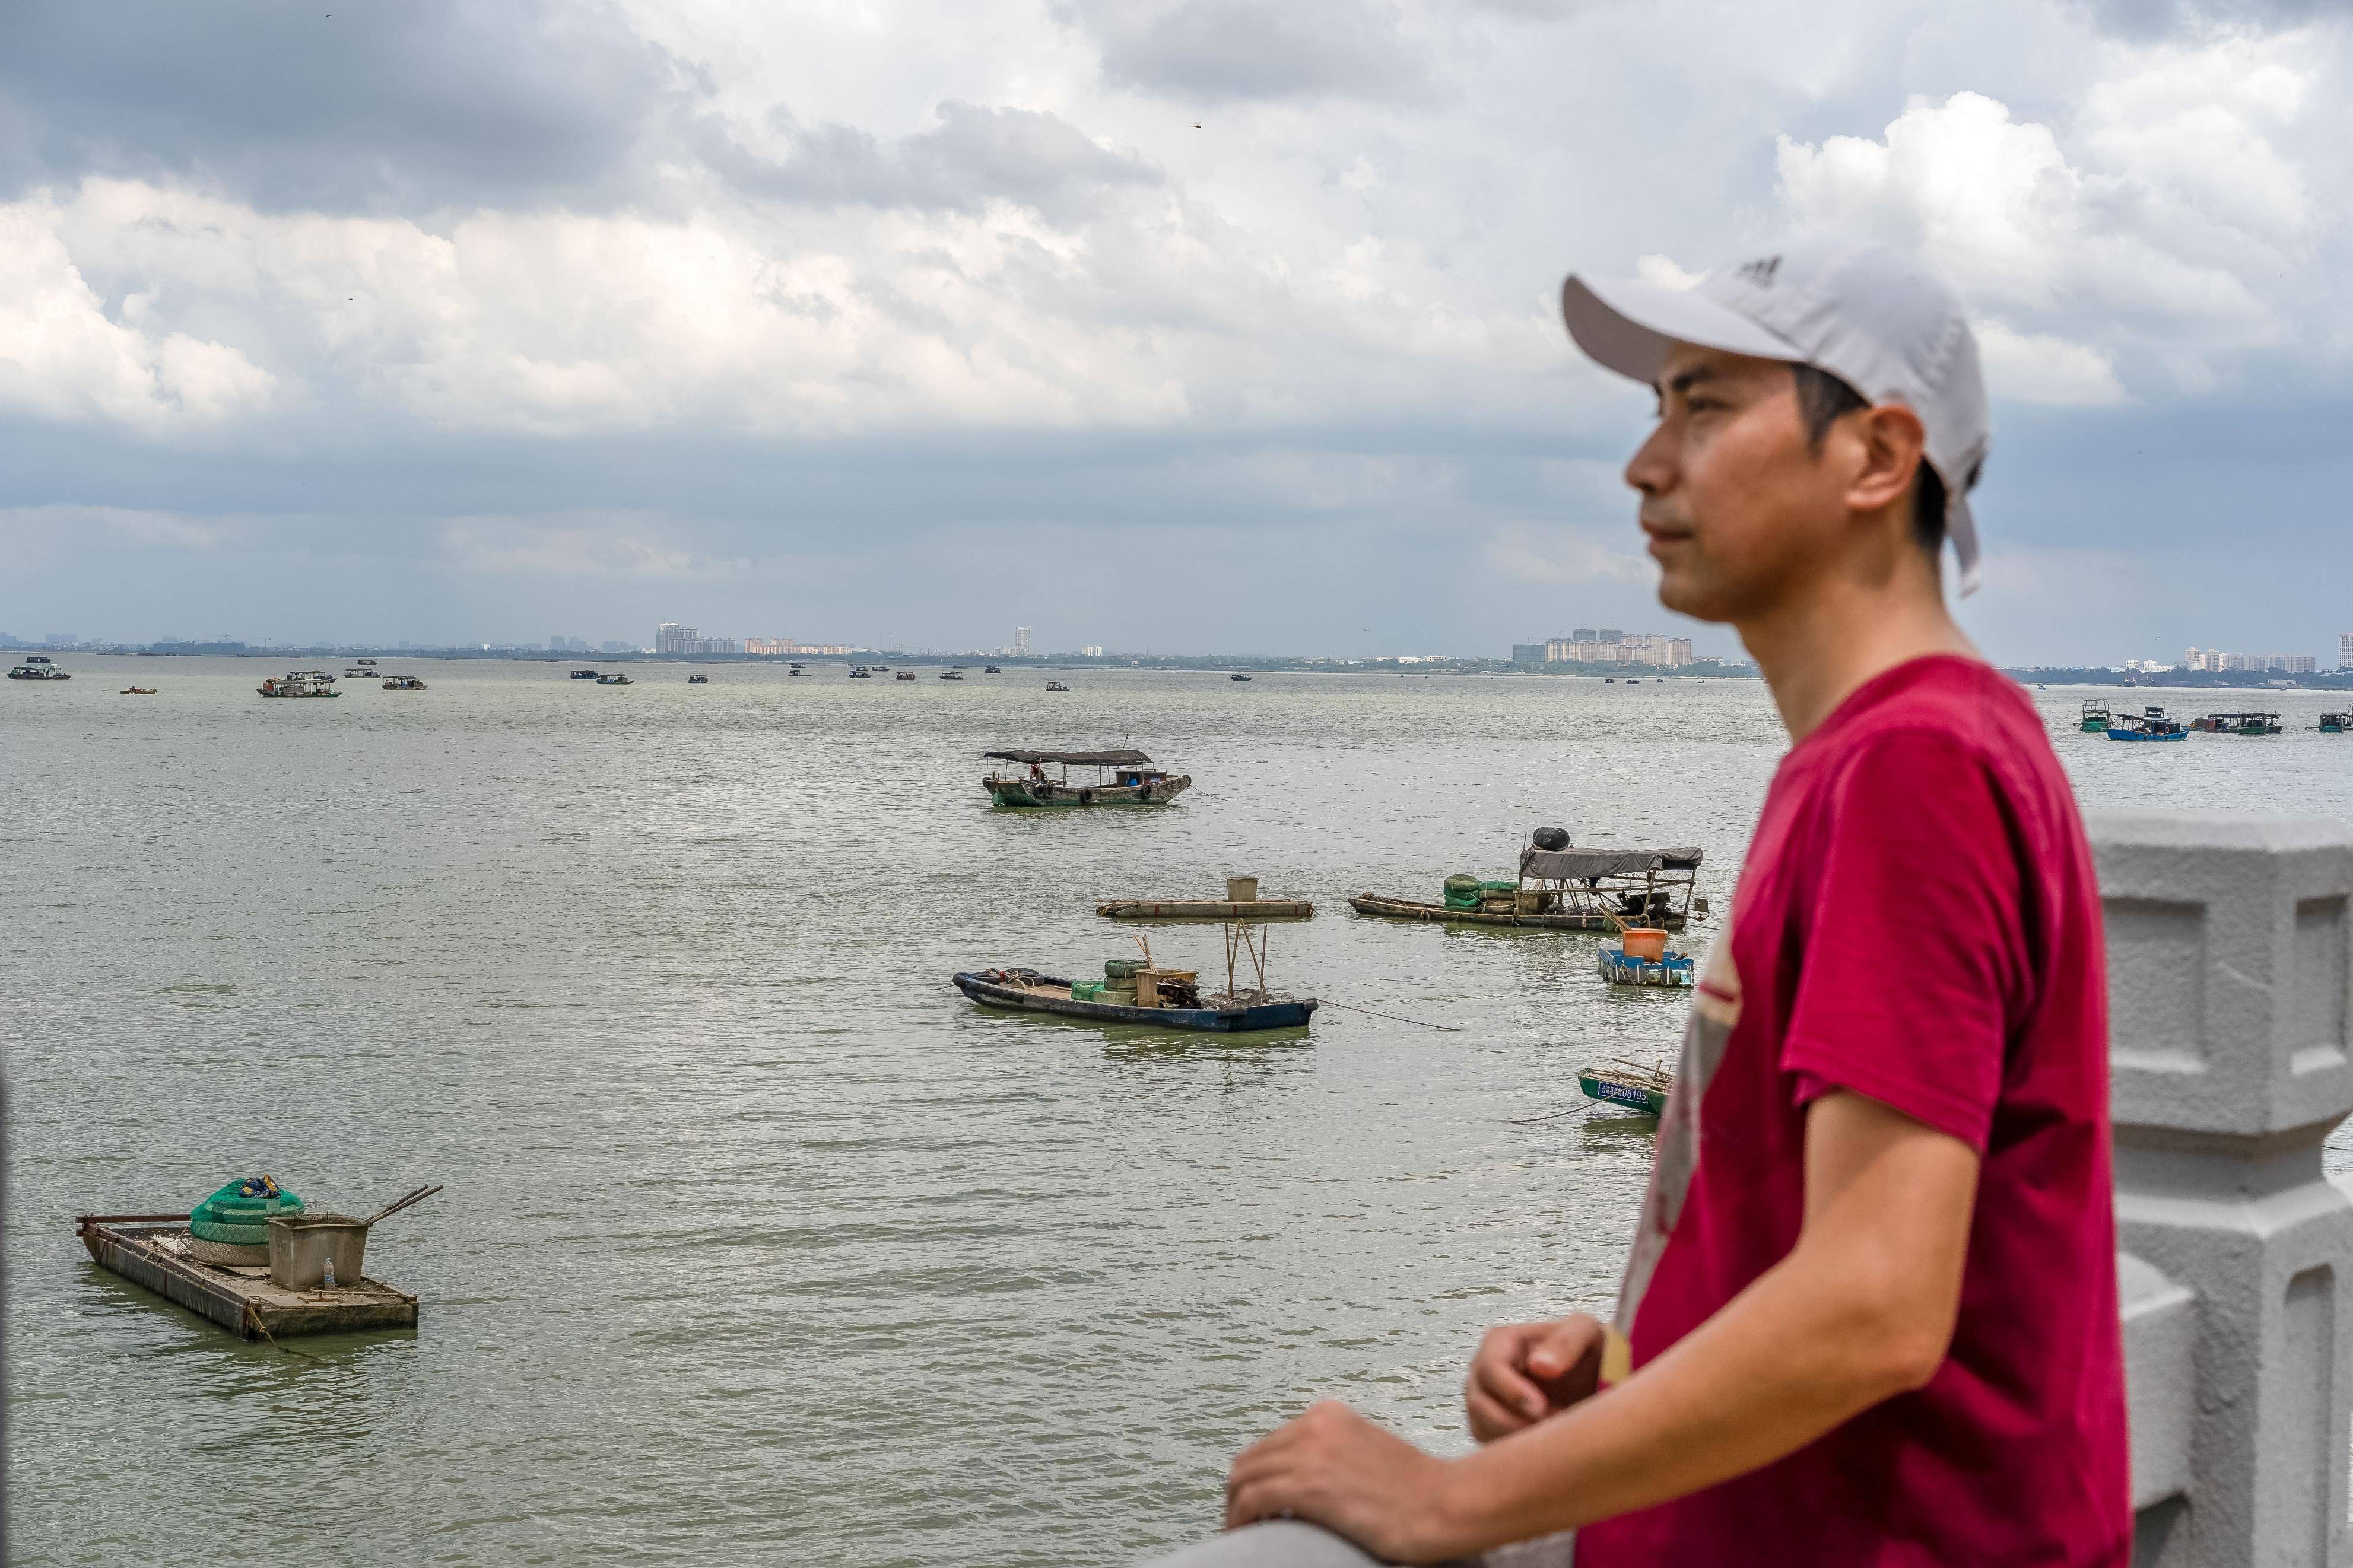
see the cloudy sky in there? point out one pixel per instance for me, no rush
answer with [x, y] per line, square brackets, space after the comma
[1205, 325]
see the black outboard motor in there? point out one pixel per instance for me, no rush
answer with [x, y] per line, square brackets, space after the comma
[1550, 838]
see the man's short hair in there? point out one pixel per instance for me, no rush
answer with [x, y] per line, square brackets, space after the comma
[1823, 400]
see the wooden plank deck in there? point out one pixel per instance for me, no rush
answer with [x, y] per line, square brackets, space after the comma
[241, 1301]
[1206, 910]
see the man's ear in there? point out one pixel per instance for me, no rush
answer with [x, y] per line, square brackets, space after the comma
[1893, 444]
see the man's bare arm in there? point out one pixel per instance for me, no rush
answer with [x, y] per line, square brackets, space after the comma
[1862, 1308]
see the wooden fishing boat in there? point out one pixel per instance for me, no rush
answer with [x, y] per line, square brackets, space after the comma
[615, 679]
[138, 691]
[2148, 724]
[2336, 723]
[296, 686]
[2095, 718]
[1571, 890]
[403, 683]
[1205, 909]
[1621, 968]
[1630, 1084]
[2237, 725]
[151, 1250]
[1027, 991]
[1122, 778]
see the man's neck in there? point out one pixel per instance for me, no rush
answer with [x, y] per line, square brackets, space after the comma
[1815, 650]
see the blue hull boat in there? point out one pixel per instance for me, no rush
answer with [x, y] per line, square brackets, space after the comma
[1618, 969]
[1046, 994]
[2174, 734]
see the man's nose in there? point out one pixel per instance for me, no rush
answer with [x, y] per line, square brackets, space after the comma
[1651, 469]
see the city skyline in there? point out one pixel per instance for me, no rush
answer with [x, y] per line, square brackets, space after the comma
[1581, 646]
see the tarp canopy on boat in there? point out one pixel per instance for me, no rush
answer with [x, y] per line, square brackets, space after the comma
[1576, 865]
[1076, 759]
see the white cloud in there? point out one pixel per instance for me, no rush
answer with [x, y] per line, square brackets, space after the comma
[1554, 553]
[2162, 230]
[2038, 367]
[62, 356]
[165, 530]
[1663, 271]
[619, 545]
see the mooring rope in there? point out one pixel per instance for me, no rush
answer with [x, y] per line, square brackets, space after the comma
[1392, 1017]
[1556, 1115]
[255, 1318]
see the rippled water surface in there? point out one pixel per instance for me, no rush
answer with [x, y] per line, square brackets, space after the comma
[760, 1243]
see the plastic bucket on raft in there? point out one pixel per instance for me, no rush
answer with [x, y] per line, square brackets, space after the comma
[1646, 942]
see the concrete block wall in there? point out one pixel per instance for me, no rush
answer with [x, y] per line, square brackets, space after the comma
[2230, 959]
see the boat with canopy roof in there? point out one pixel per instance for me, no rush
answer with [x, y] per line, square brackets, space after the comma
[1569, 888]
[1122, 778]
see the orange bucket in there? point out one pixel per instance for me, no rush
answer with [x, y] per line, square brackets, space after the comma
[1646, 942]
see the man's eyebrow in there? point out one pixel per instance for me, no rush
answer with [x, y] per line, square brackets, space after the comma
[1684, 380]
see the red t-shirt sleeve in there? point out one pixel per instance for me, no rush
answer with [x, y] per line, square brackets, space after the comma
[1912, 957]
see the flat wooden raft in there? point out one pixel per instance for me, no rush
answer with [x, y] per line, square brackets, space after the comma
[241, 1301]
[1206, 910]
[1412, 909]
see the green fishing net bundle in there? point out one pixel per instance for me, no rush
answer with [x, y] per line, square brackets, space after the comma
[239, 1213]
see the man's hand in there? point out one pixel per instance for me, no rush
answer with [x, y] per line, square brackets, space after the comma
[1335, 1468]
[1526, 1372]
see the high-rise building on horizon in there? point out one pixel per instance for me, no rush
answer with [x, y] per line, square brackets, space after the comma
[1021, 641]
[672, 639]
[2216, 661]
[1588, 647]
[2345, 650]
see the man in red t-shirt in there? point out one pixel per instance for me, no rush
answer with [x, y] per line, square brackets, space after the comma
[1869, 1317]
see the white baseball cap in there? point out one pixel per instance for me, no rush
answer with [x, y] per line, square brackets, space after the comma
[1875, 318]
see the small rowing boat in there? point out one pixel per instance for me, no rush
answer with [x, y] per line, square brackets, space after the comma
[1630, 1084]
[1027, 991]
[138, 691]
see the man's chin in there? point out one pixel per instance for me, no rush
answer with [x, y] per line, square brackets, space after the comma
[1685, 593]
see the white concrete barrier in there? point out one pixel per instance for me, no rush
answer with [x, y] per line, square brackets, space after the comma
[2230, 955]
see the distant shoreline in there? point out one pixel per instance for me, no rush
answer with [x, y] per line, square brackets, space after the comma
[2256, 680]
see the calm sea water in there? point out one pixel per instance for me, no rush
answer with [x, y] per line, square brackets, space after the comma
[760, 1243]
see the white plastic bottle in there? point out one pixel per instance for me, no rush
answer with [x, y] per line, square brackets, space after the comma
[327, 1280]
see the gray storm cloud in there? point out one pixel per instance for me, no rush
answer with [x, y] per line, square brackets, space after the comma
[385, 320]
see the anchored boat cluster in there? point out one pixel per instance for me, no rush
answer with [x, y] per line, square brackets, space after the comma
[1642, 895]
[2151, 724]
